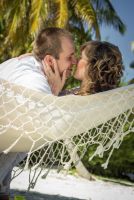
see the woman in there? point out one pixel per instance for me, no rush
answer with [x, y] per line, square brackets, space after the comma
[99, 68]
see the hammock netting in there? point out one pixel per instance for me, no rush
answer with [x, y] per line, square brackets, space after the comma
[57, 131]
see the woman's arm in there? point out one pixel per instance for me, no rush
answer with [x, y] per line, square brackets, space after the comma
[55, 81]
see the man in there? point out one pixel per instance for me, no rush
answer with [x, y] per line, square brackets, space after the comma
[52, 46]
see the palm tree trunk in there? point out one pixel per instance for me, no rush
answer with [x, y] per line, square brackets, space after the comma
[80, 168]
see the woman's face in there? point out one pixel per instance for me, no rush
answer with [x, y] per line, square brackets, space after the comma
[80, 73]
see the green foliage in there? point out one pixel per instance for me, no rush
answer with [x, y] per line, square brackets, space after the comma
[19, 198]
[121, 162]
[131, 81]
[132, 65]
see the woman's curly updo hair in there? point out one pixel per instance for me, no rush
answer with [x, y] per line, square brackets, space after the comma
[104, 69]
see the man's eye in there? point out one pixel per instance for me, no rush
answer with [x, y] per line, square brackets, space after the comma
[69, 58]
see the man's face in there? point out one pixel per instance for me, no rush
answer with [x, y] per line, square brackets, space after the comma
[66, 57]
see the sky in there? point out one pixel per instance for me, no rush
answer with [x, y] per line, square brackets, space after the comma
[125, 10]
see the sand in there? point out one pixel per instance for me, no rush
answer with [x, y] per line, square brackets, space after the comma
[67, 187]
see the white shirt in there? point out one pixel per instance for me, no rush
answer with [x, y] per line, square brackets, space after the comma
[27, 72]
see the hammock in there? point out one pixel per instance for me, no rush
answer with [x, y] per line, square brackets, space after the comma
[54, 129]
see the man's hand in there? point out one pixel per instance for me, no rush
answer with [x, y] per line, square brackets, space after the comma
[55, 81]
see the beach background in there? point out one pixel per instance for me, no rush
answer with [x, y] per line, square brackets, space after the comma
[62, 186]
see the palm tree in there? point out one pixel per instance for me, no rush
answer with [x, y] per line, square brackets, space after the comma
[106, 14]
[22, 19]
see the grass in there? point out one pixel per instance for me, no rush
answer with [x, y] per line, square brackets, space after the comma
[19, 198]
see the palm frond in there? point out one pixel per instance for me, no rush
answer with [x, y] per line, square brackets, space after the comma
[6, 4]
[45, 10]
[13, 18]
[16, 21]
[86, 12]
[36, 7]
[61, 13]
[106, 14]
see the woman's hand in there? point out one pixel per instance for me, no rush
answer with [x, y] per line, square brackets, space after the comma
[55, 81]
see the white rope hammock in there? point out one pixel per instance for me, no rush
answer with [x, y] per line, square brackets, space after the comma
[31, 120]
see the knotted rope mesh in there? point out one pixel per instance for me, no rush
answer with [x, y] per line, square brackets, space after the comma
[56, 131]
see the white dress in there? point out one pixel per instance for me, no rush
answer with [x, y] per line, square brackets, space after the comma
[27, 72]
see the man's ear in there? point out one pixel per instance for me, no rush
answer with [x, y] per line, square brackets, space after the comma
[49, 60]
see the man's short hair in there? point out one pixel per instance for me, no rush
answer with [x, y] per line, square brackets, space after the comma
[48, 42]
